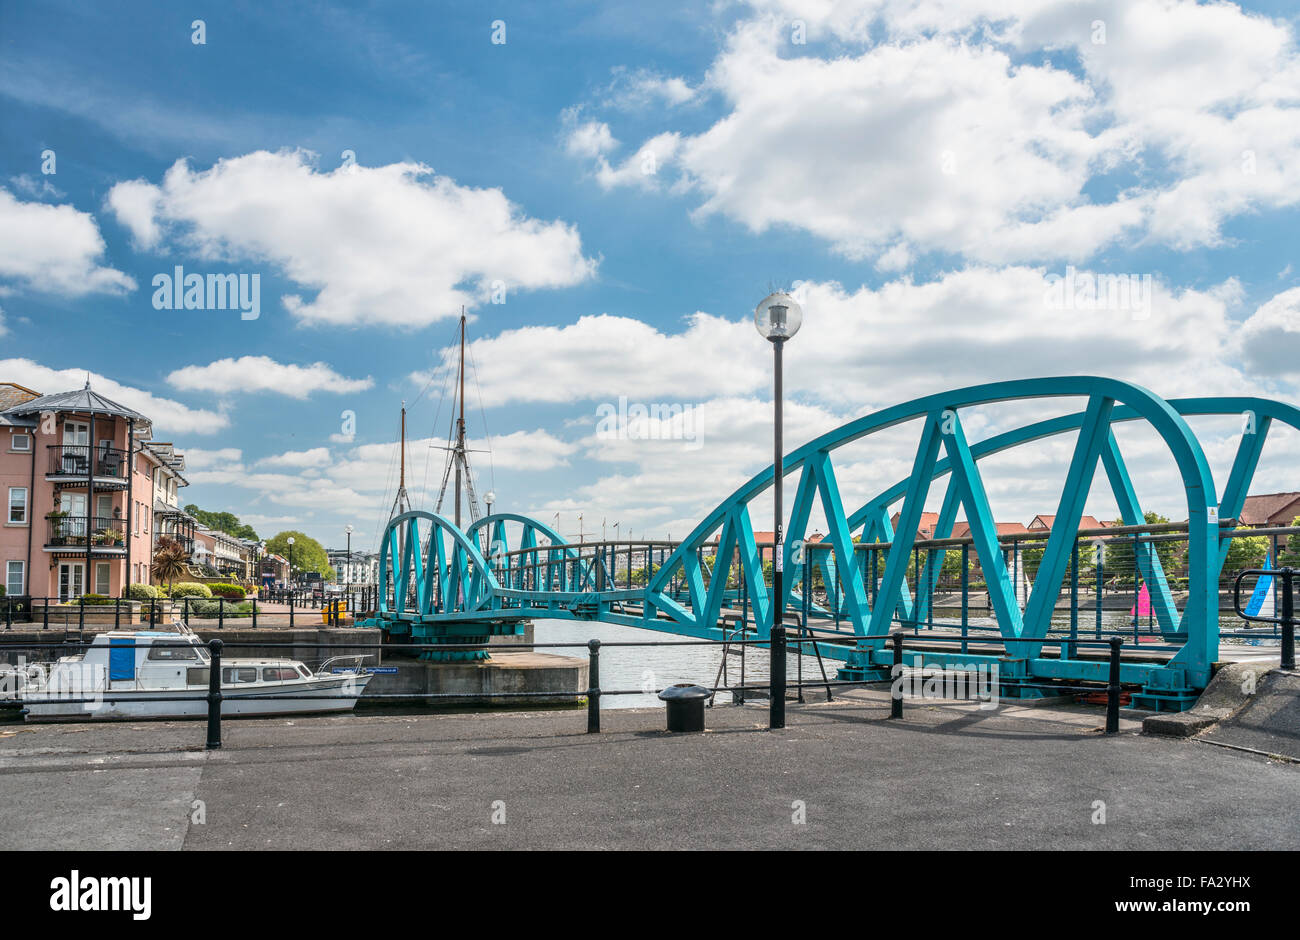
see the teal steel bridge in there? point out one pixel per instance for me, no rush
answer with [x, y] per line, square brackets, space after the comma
[461, 587]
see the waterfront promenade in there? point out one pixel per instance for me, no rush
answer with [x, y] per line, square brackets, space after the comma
[948, 776]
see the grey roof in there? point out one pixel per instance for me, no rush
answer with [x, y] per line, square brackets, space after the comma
[85, 400]
[13, 421]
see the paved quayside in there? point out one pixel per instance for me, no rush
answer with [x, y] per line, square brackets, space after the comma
[948, 776]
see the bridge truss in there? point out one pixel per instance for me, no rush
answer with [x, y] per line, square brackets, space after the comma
[507, 568]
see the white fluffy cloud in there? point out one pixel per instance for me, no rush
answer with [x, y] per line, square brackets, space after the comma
[56, 249]
[167, 414]
[264, 374]
[200, 458]
[952, 126]
[298, 459]
[394, 245]
[1270, 337]
[876, 346]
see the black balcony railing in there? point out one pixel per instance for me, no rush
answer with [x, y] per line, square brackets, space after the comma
[72, 531]
[75, 460]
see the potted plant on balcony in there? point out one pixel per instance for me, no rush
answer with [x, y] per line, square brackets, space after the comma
[114, 537]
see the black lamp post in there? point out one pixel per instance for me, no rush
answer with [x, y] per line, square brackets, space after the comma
[348, 579]
[291, 562]
[777, 318]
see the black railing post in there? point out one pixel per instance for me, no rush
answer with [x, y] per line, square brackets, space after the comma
[221, 613]
[593, 687]
[214, 695]
[896, 677]
[1288, 620]
[185, 609]
[1112, 690]
[291, 610]
[254, 611]
[117, 613]
[776, 674]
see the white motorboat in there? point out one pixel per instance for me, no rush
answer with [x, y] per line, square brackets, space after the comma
[165, 674]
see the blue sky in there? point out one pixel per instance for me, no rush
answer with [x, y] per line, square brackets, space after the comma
[919, 168]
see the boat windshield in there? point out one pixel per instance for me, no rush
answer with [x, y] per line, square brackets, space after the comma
[166, 651]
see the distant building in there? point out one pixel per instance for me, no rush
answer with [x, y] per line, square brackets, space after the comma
[86, 492]
[1043, 522]
[356, 568]
[1269, 509]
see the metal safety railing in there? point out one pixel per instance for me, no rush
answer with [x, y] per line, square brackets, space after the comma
[776, 686]
[75, 614]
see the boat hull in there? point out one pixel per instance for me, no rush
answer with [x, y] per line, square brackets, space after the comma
[317, 696]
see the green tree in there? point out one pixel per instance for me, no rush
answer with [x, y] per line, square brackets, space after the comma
[1246, 552]
[308, 555]
[223, 522]
[1290, 554]
[1118, 558]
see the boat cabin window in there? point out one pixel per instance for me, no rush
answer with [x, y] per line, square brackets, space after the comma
[234, 674]
[172, 652]
[305, 673]
[278, 674]
[198, 675]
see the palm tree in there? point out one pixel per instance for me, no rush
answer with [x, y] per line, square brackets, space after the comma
[169, 561]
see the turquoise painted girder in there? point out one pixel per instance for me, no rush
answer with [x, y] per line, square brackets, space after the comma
[1123, 401]
[1232, 499]
[421, 548]
[694, 608]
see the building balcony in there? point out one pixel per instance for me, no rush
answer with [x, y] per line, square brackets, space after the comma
[107, 535]
[74, 465]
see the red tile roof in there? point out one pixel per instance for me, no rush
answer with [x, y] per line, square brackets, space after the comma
[1270, 509]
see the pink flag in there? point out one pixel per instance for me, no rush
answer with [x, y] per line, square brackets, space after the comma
[1143, 607]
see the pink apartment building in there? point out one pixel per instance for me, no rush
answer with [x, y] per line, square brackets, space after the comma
[86, 493]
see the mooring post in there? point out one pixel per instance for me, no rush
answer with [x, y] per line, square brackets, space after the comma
[593, 687]
[896, 677]
[214, 695]
[1288, 620]
[1112, 690]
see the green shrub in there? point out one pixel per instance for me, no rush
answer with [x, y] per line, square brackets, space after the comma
[190, 589]
[227, 590]
[143, 592]
[211, 609]
[90, 600]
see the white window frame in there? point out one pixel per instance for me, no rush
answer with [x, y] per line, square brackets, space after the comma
[22, 578]
[103, 568]
[13, 442]
[27, 509]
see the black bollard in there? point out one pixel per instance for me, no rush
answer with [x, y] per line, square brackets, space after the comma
[1112, 690]
[896, 676]
[593, 690]
[214, 695]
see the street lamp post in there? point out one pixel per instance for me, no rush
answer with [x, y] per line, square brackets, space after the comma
[777, 319]
[291, 562]
[348, 563]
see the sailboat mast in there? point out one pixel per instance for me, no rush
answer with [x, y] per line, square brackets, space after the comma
[460, 418]
[403, 502]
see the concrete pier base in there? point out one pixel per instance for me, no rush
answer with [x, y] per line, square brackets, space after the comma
[507, 679]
